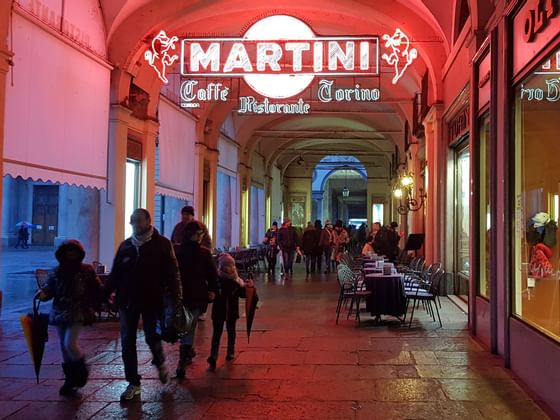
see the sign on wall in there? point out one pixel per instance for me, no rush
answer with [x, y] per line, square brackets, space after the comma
[279, 57]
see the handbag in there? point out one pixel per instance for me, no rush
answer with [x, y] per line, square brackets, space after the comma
[176, 322]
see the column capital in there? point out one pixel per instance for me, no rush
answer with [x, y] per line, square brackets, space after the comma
[434, 115]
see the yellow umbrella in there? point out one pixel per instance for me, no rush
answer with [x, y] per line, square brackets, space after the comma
[35, 328]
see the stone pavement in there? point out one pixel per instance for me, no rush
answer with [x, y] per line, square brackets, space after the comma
[298, 365]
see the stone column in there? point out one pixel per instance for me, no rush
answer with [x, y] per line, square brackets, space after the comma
[199, 157]
[5, 61]
[434, 217]
[244, 174]
[148, 191]
[111, 200]
[212, 157]
[63, 205]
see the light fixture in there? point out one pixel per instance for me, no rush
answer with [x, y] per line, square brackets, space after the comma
[345, 190]
[300, 161]
[404, 191]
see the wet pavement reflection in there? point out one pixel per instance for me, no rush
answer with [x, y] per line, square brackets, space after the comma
[298, 365]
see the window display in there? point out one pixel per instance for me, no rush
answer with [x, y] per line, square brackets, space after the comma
[537, 187]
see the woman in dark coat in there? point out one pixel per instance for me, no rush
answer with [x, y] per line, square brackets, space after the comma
[75, 289]
[226, 306]
[199, 280]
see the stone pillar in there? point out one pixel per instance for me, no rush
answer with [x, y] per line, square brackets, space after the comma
[199, 157]
[212, 157]
[434, 217]
[5, 61]
[148, 193]
[111, 200]
[63, 204]
[244, 174]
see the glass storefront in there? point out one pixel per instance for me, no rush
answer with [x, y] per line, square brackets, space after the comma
[462, 222]
[132, 193]
[536, 289]
[485, 209]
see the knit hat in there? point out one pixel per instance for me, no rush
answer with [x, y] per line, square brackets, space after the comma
[227, 268]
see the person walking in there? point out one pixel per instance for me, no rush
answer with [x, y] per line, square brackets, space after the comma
[144, 273]
[199, 281]
[187, 216]
[326, 243]
[271, 243]
[23, 237]
[289, 245]
[340, 241]
[225, 308]
[310, 246]
[75, 290]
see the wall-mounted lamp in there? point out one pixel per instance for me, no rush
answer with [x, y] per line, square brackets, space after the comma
[404, 191]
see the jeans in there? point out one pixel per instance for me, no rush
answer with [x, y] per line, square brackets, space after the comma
[288, 260]
[188, 340]
[68, 335]
[129, 319]
[327, 251]
[218, 326]
[310, 262]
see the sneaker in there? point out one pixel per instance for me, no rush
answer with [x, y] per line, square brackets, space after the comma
[163, 374]
[130, 392]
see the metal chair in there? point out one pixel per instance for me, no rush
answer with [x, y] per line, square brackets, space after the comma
[425, 291]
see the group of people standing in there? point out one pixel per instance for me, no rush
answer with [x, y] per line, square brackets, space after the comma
[315, 244]
[383, 240]
[149, 271]
[328, 243]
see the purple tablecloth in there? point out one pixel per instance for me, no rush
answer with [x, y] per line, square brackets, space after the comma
[388, 296]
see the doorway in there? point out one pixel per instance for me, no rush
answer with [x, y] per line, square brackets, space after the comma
[45, 214]
[462, 224]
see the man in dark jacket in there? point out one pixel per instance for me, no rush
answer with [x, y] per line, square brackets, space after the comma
[288, 244]
[144, 273]
[199, 281]
[310, 244]
[187, 216]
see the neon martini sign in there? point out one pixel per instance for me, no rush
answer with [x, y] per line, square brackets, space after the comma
[279, 57]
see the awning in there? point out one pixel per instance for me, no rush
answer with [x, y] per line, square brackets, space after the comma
[170, 192]
[177, 137]
[57, 111]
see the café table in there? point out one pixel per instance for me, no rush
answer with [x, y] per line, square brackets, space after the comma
[388, 295]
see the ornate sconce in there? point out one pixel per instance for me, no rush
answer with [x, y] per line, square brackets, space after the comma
[405, 192]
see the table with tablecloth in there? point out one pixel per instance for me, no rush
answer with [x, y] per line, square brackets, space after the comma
[388, 295]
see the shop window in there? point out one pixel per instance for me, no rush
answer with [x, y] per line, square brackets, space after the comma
[132, 193]
[485, 209]
[377, 213]
[462, 221]
[536, 175]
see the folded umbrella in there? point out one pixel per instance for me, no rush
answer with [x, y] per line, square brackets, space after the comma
[35, 328]
[251, 299]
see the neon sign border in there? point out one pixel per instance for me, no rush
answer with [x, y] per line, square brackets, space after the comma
[319, 38]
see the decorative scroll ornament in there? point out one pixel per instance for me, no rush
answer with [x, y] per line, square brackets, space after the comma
[402, 55]
[159, 57]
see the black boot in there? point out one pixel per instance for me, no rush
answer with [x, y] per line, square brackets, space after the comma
[185, 359]
[80, 372]
[230, 355]
[68, 388]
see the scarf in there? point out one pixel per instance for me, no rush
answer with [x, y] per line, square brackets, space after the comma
[139, 240]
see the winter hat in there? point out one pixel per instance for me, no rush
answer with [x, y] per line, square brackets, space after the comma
[227, 268]
[70, 244]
